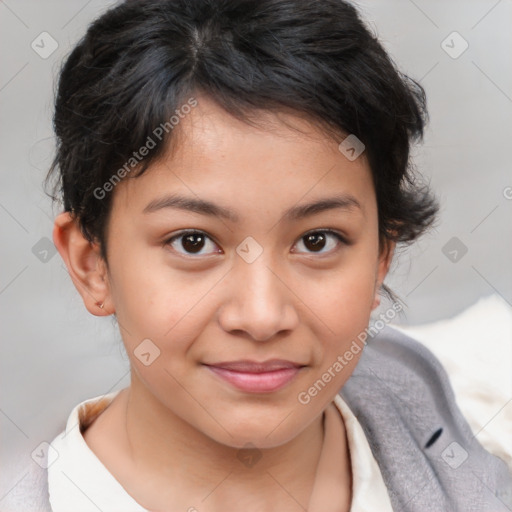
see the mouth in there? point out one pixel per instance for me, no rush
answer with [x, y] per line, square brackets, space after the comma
[256, 377]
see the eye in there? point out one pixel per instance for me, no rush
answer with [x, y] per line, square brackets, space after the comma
[316, 241]
[191, 242]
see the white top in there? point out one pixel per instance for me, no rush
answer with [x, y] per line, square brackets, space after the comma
[78, 480]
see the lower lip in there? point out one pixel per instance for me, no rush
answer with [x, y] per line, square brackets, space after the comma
[265, 382]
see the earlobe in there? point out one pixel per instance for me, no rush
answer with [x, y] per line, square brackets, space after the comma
[84, 263]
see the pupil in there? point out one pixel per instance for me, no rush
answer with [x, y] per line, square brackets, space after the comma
[189, 244]
[194, 242]
[317, 241]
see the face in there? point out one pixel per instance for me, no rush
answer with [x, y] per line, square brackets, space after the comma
[261, 278]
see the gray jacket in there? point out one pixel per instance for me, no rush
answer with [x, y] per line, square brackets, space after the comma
[428, 456]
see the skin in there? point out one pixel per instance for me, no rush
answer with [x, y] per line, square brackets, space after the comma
[177, 423]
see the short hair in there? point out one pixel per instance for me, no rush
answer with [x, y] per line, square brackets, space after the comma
[141, 60]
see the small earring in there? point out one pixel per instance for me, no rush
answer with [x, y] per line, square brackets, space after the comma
[100, 305]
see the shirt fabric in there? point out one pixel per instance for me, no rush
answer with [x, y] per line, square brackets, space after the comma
[79, 480]
[401, 395]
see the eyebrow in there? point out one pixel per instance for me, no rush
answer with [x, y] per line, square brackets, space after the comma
[204, 207]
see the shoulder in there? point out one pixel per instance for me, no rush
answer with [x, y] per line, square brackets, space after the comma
[31, 490]
[428, 455]
[391, 350]
[407, 377]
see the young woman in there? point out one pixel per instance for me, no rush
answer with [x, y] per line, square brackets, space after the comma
[235, 178]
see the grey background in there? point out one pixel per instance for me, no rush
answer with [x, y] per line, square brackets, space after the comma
[55, 354]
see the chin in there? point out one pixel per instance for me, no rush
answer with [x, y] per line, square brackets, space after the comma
[259, 434]
[261, 441]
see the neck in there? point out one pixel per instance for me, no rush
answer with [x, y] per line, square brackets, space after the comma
[183, 466]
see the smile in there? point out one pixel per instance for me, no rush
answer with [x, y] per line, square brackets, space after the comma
[253, 377]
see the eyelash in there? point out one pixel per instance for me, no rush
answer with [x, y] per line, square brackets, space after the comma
[182, 234]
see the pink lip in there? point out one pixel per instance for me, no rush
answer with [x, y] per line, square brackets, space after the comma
[255, 377]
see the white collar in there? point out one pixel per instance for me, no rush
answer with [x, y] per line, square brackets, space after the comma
[78, 480]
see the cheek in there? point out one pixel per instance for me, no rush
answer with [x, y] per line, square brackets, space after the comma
[342, 308]
[342, 299]
[341, 303]
[144, 301]
[169, 308]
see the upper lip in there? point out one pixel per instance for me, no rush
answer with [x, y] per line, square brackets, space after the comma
[248, 366]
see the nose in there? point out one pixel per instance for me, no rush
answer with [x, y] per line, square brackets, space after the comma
[258, 301]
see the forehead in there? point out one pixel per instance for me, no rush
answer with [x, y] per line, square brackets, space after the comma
[284, 159]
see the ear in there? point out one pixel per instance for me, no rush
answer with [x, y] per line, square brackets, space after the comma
[84, 263]
[386, 252]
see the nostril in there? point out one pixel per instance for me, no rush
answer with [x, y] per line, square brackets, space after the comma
[434, 438]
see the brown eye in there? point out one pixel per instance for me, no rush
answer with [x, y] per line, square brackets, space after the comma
[191, 242]
[317, 241]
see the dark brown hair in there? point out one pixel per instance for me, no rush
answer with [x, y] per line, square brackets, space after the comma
[142, 60]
